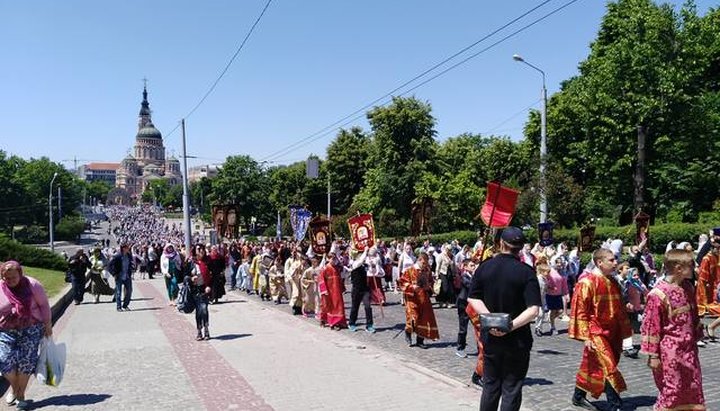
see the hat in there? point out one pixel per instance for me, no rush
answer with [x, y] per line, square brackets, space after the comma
[716, 231]
[513, 236]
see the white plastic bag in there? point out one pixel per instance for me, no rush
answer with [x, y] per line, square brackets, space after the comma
[51, 362]
[106, 275]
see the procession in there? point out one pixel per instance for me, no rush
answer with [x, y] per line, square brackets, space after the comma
[620, 293]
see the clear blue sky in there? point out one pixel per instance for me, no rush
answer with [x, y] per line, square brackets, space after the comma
[71, 72]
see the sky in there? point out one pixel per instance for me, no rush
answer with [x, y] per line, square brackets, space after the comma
[72, 71]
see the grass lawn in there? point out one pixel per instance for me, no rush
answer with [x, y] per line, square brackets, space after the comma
[53, 281]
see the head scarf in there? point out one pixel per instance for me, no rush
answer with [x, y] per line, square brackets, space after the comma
[19, 296]
[682, 245]
[669, 246]
[701, 242]
[167, 253]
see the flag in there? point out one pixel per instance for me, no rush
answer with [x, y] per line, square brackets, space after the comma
[278, 227]
[299, 219]
[320, 235]
[499, 207]
[362, 231]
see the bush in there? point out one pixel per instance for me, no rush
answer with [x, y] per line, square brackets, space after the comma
[30, 256]
[69, 228]
[32, 234]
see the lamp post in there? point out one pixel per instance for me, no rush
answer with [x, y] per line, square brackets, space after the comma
[543, 140]
[52, 240]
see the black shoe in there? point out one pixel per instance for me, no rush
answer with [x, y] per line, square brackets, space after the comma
[583, 402]
[421, 344]
[408, 339]
[477, 379]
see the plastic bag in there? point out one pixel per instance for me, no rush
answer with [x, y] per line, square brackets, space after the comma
[106, 274]
[51, 362]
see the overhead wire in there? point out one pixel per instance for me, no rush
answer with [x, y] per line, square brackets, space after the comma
[425, 72]
[463, 61]
[224, 70]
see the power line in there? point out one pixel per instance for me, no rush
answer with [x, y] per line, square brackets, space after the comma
[365, 107]
[227, 66]
[495, 128]
[315, 136]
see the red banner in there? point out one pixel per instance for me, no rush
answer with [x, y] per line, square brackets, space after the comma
[320, 235]
[499, 207]
[362, 231]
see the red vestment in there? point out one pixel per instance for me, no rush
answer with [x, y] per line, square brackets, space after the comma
[670, 330]
[475, 320]
[708, 278]
[419, 316]
[332, 311]
[598, 315]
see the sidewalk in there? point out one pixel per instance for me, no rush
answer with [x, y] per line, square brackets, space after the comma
[258, 359]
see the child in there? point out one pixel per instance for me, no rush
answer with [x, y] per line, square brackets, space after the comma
[543, 271]
[670, 331]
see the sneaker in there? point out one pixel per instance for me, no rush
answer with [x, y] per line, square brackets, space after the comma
[701, 344]
[119, 309]
[352, 328]
[461, 353]
[126, 308]
[538, 332]
[370, 329]
[10, 397]
[22, 405]
[630, 353]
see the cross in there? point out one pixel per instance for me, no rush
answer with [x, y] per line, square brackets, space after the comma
[145, 80]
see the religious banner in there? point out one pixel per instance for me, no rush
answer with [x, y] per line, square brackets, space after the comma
[362, 231]
[642, 227]
[499, 207]
[299, 219]
[545, 233]
[320, 235]
[587, 236]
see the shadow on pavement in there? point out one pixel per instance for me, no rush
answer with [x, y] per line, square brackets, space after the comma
[551, 352]
[73, 399]
[141, 299]
[146, 309]
[228, 337]
[537, 381]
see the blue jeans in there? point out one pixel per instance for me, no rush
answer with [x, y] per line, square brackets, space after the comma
[119, 284]
[233, 277]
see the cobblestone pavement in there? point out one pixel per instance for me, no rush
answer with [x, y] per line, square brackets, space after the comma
[554, 359]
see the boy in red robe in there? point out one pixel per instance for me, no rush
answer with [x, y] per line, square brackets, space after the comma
[416, 284]
[598, 319]
[330, 286]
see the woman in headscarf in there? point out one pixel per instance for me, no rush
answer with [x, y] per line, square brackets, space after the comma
[170, 265]
[444, 273]
[98, 284]
[78, 266]
[24, 320]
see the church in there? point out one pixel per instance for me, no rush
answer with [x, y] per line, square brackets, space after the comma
[148, 163]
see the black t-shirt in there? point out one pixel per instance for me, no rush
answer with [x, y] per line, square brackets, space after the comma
[507, 285]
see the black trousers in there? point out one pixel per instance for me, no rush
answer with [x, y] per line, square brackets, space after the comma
[463, 320]
[357, 298]
[504, 374]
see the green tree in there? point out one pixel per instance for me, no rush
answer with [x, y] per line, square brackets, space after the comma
[403, 147]
[242, 182]
[346, 165]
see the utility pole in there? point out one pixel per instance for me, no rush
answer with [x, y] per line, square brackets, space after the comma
[328, 200]
[639, 180]
[59, 203]
[50, 228]
[186, 194]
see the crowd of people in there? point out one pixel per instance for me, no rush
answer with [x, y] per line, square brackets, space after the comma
[621, 291]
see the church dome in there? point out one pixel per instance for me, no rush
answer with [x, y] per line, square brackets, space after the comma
[149, 131]
[172, 159]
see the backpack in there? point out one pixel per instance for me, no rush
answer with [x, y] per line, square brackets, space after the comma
[185, 303]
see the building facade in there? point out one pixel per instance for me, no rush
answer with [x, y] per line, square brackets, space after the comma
[148, 162]
[106, 172]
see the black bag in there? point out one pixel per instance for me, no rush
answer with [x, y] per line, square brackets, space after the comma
[499, 321]
[185, 302]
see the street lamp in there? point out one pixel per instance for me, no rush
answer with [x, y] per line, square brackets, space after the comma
[543, 140]
[52, 242]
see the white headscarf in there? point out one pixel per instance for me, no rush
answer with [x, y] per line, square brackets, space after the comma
[669, 246]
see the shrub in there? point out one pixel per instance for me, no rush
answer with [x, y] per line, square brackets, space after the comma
[69, 228]
[32, 234]
[29, 255]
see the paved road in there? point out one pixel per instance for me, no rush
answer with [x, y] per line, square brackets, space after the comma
[259, 359]
[554, 360]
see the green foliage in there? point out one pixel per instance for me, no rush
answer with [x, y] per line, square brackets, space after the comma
[242, 182]
[32, 234]
[29, 255]
[69, 228]
[347, 159]
[98, 189]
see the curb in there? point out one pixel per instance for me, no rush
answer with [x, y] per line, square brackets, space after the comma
[60, 302]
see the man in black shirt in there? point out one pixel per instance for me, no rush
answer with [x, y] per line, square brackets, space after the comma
[504, 284]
